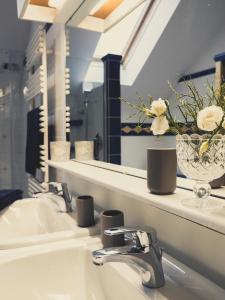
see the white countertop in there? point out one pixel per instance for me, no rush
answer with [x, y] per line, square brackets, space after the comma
[136, 187]
[181, 182]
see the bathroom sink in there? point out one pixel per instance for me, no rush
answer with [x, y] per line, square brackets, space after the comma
[71, 275]
[38, 220]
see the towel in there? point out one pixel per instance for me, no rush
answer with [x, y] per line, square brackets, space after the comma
[7, 197]
[34, 140]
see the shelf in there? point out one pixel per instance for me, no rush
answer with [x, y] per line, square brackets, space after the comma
[136, 188]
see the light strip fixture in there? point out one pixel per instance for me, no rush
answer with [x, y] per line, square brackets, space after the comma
[97, 6]
[56, 3]
[104, 8]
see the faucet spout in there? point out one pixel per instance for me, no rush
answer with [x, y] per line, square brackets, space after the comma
[146, 259]
[67, 197]
[63, 191]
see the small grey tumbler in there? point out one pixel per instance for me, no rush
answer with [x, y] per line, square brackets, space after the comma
[110, 219]
[161, 170]
[85, 211]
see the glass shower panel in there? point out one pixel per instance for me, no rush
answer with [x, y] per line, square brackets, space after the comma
[12, 121]
[5, 135]
[94, 120]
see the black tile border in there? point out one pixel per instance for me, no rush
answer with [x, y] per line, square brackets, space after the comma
[219, 57]
[197, 74]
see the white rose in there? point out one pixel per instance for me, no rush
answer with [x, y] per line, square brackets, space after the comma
[209, 118]
[158, 107]
[223, 124]
[160, 125]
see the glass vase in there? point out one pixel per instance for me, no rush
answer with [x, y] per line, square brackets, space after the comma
[202, 159]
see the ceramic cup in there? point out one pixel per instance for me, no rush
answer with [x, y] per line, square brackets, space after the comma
[84, 150]
[60, 150]
[161, 170]
[85, 211]
[110, 219]
[217, 183]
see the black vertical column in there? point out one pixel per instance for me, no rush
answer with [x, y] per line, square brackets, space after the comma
[112, 109]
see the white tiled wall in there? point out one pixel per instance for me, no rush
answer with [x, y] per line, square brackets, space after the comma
[134, 148]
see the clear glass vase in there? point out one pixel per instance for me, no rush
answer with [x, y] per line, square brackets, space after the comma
[202, 160]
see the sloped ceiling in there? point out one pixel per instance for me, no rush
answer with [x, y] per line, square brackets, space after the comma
[14, 33]
[189, 33]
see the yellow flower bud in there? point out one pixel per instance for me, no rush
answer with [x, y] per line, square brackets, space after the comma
[204, 147]
[217, 92]
[148, 112]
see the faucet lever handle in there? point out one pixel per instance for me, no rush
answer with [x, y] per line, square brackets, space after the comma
[55, 187]
[141, 236]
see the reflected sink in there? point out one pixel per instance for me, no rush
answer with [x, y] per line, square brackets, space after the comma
[38, 220]
[71, 275]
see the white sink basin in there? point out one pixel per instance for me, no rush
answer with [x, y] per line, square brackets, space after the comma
[64, 271]
[38, 220]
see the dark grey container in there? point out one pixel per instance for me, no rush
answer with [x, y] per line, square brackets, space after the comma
[110, 219]
[162, 170]
[85, 211]
[217, 183]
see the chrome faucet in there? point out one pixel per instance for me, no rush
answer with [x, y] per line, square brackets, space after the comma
[61, 189]
[143, 253]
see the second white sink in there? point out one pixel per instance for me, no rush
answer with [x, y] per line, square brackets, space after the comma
[38, 220]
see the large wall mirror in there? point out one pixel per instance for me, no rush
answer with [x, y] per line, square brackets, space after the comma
[180, 46]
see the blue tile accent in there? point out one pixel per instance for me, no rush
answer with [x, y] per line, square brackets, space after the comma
[115, 159]
[112, 57]
[113, 86]
[197, 75]
[114, 126]
[220, 57]
[114, 70]
[115, 145]
[112, 108]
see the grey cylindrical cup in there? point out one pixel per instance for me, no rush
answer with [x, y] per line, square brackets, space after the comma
[85, 211]
[217, 183]
[110, 219]
[161, 170]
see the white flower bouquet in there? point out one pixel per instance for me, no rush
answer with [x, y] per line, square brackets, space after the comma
[200, 113]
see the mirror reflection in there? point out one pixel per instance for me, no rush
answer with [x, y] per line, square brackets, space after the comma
[183, 46]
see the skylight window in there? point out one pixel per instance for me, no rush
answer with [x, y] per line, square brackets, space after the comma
[115, 40]
[134, 37]
[102, 15]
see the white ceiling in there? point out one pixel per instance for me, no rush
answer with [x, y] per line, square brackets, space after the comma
[189, 34]
[14, 33]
